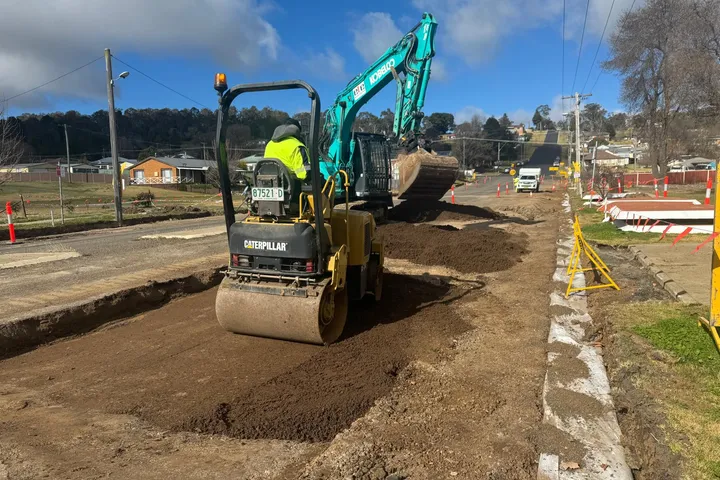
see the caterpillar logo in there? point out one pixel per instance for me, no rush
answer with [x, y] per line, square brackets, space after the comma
[380, 72]
[272, 246]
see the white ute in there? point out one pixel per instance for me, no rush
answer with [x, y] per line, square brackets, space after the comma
[529, 179]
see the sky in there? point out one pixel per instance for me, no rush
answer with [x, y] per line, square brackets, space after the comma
[492, 56]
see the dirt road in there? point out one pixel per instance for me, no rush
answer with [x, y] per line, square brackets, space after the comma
[441, 379]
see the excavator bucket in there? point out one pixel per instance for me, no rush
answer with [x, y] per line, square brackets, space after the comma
[425, 176]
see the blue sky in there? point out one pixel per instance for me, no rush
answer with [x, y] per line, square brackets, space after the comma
[492, 57]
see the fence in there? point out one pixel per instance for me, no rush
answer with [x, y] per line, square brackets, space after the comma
[674, 178]
[52, 177]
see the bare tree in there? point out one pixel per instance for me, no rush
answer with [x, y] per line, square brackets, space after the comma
[664, 54]
[11, 145]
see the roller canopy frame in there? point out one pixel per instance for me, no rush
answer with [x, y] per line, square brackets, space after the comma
[225, 101]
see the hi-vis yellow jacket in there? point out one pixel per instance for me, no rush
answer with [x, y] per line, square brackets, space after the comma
[292, 152]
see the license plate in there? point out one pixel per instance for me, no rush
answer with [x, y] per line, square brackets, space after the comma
[270, 194]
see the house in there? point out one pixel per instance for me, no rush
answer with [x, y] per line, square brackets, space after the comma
[160, 170]
[447, 136]
[518, 130]
[46, 167]
[604, 157]
[107, 164]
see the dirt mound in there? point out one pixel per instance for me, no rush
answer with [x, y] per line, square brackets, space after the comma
[465, 250]
[324, 395]
[428, 211]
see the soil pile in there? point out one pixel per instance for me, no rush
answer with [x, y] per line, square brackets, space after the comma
[465, 250]
[428, 211]
[324, 395]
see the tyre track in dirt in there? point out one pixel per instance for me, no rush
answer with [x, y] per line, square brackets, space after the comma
[177, 370]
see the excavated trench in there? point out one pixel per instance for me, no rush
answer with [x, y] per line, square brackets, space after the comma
[176, 367]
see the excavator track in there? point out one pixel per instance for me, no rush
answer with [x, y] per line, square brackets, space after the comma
[425, 176]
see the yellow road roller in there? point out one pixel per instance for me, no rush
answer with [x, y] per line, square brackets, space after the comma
[296, 260]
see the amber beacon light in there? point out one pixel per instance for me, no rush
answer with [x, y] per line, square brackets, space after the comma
[220, 83]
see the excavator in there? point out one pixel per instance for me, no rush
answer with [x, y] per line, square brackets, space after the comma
[302, 253]
[419, 175]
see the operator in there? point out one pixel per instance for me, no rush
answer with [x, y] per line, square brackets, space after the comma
[288, 146]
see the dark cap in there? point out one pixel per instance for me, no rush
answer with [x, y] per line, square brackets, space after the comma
[292, 121]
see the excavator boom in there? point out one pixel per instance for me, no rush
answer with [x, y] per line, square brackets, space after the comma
[420, 174]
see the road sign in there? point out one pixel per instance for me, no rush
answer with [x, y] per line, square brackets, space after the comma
[554, 169]
[512, 172]
[577, 175]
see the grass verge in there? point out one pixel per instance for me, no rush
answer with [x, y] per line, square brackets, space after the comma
[677, 369]
[605, 233]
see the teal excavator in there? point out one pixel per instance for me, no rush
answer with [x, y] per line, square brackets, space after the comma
[418, 175]
[299, 256]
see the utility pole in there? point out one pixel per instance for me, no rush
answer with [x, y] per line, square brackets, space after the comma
[578, 97]
[464, 161]
[113, 138]
[204, 156]
[59, 175]
[67, 151]
[592, 182]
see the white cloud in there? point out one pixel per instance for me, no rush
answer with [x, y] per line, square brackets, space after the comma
[374, 33]
[476, 29]
[328, 63]
[42, 42]
[465, 114]
[438, 71]
[521, 116]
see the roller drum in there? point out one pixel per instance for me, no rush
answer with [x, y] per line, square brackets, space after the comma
[317, 317]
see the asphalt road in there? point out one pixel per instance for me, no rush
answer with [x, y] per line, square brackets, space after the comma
[545, 155]
[105, 261]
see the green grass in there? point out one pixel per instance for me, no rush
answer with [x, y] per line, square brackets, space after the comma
[47, 192]
[606, 233]
[677, 333]
[684, 383]
[93, 202]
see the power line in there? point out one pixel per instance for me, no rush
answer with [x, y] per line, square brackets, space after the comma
[623, 24]
[562, 80]
[597, 50]
[582, 38]
[160, 83]
[53, 80]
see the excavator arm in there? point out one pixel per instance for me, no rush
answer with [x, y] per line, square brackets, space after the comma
[408, 63]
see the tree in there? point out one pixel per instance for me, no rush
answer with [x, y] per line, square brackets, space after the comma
[505, 121]
[438, 124]
[618, 120]
[11, 145]
[537, 119]
[367, 122]
[387, 119]
[669, 71]
[593, 117]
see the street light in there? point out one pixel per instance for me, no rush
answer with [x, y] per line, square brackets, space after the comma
[113, 135]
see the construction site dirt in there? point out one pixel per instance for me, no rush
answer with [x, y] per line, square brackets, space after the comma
[441, 378]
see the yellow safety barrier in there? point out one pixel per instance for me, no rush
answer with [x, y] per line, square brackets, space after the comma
[581, 246]
[713, 325]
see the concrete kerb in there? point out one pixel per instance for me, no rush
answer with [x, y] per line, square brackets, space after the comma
[45, 325]
[663, 279]
[599, 434]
